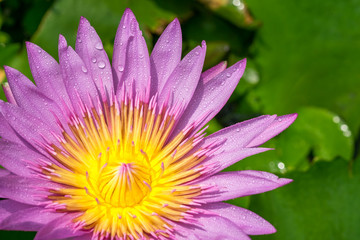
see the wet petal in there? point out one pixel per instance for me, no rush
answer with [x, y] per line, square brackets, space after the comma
[8, 207]
[28, 219]
[31, 129]
[8, 94]
[31, 99]
[59, 228]
[44, 68]
[124, 32]
[91, 50]
[210, 97]
[227, 158]
[241, 134]
[181, 84]
[212, 227]
[249, 222]
[79, 84]
[137, 65]
[277, 126]
[165, 56]
[213, 72]
[14, 155]
[25, 190]
[230, 185]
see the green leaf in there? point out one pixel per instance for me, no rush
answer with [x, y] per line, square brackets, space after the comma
[308, 53]
[323, 203]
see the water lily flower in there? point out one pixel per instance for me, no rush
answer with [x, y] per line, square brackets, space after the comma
[118, 151]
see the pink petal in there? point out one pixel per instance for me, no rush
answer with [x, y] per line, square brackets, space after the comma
[91, 50]
[31, 129]
[28, 219]
[277, 126]
[25, 190]
[210, 97]
[211, 227]
[230, 185]
[228, 158]
[165, 56]
[8, 94]
[79, 83]
[46, 73]
[124, 32]
[8, 207]
[249, 222]
[30, 98]
[137, 64]
[181, 84]
[59, 228]
[13, 155]
[6, 131]
[213, 72]
[3, 173]
[241, 134]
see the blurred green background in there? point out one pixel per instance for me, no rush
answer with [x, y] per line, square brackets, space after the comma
[303, 56]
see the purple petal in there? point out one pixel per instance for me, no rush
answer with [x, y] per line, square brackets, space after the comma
[137, 64]
[14, 155]
[241, 134]
[25, 190]
[8, 94]
[6, 131]
[211, 227]
[30, 98]
[59, 228]
[8, 207]
[230, 185]
[210, 97]
[46, 73]
[124, 32]
[276, 127]
[213, 72]
[91, 50]
[182, 82]
[79, 84]
[28, 219]
[228, 158]
[32, 129]
[249, 222]
[4, 172]
[165, 56]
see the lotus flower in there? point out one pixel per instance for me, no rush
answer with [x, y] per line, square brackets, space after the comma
[118, 151]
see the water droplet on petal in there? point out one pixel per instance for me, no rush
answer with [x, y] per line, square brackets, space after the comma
[93, 60]
[197, 53]
[120, 68]
[228, 75]
[124, 26]
[39, 51]
[101, 64]
[79, 40]
[99, 46]
[83, 68]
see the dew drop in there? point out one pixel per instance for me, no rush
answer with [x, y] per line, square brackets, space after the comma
[99, 46]
[222, 83]
[79, 40]
[228, 75]
[120, 68]
[197, 53]
[101, 64]
[124, 27]
[83, 68]
[93, 60]
[238, 129]
[39, 51]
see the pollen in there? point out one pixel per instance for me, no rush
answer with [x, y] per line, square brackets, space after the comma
[121, 169]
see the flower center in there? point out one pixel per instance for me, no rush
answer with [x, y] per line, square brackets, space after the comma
[122, 174]
[124, 184]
